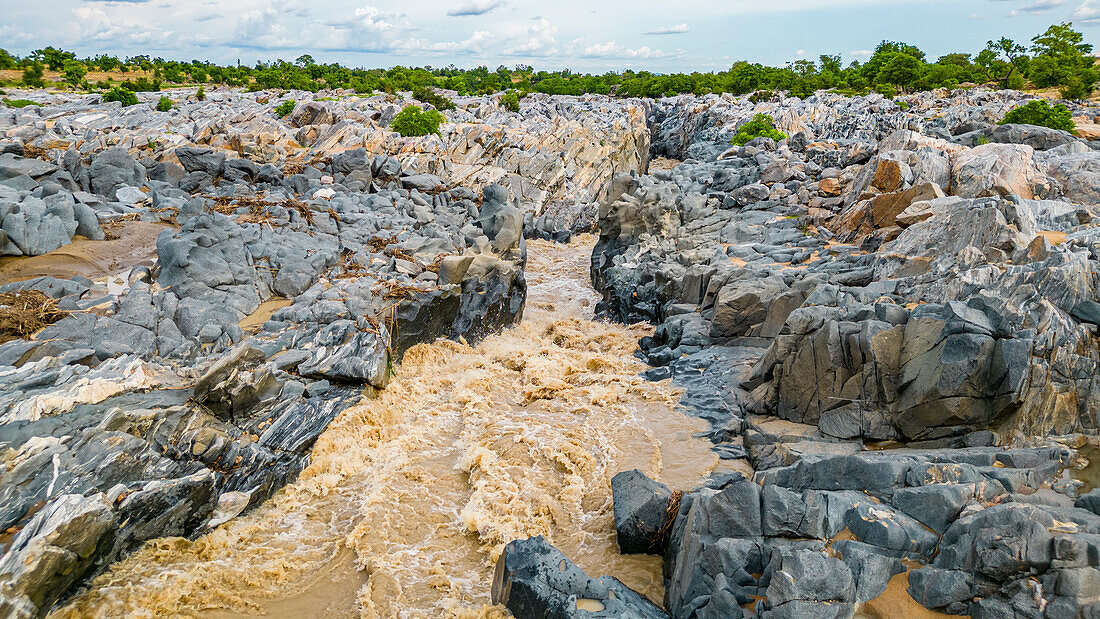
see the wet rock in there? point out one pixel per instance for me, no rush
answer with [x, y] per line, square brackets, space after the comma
[533, 579]
[642, 512]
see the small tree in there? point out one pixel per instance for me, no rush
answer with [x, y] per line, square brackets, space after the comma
[32, 75]
[122, 95]
[413, 121]
[164, 104]
[1040, 114]
[761, 126]
[1004, 58]
[200, 94]
[428, 95]
[510, 101]
[74, 72]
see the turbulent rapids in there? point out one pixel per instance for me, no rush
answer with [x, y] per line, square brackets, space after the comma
[410, 498]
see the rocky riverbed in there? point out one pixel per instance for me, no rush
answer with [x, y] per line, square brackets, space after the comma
[869, 381]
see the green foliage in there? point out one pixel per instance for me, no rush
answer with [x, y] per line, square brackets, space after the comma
[74, 72]
[413, 121]
[1039, 113]
[122, 95]
[32, 76]
[1057, 58]
[53, 58]
[200, 94]
[1063, 59]
[902, 105]
[20, 103]
[284, 108]
[164, 104]
[510, 101]
[761, 95]
[761, 126]
[427, 94]
[141, 84]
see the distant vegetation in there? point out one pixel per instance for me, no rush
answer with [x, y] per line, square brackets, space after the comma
[761, 126]
[413, 121]
[1058, 58]
[1040, 113]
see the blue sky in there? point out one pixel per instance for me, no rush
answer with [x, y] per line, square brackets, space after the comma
[590, 35]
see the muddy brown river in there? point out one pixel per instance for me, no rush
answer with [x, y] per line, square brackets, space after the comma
[411, 497]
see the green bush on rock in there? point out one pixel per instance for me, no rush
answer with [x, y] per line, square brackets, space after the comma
[426, 94]
[122, 95]
[413, 121]
[510, 101]
[1041, 114]
[284, 108]
[164, 104]
[761, 126]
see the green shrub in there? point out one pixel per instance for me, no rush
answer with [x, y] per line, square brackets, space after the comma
[284, 108]
[761, 95]
[1041, 114]
[121, 94]
[902, 105]
[428, 95]
[74, 72]
[164, 104]
[510, 101]
[200, 94]
[413, 121]
[20, 103]
[32, 76]
[761, 126]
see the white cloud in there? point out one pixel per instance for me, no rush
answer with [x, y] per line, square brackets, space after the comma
[475, 7]
[677, 29]
[1042, 6]
[862, 53]
[611, 49]
[536, 40]
[1087, 13]
[800, 53]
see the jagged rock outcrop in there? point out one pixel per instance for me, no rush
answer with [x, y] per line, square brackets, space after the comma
[917, 278]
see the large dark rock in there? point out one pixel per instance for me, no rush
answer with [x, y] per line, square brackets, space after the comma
[533, 579]
[643, 512]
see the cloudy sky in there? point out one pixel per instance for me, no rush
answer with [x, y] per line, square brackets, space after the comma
[590, 35]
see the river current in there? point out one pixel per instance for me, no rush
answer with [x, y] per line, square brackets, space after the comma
[410, 498]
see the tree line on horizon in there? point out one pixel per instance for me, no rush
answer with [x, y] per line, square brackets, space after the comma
[1057, 58]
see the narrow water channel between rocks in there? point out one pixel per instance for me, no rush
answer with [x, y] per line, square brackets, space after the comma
[411, 497]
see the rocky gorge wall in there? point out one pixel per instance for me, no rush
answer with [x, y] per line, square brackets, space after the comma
[914, 279]
[179, 384]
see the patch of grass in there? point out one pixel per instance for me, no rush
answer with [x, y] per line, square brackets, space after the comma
[20, 103]
[413, 121]
[761, 126]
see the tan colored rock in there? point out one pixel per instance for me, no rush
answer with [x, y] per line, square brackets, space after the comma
[831, 186]
[1087, 129]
